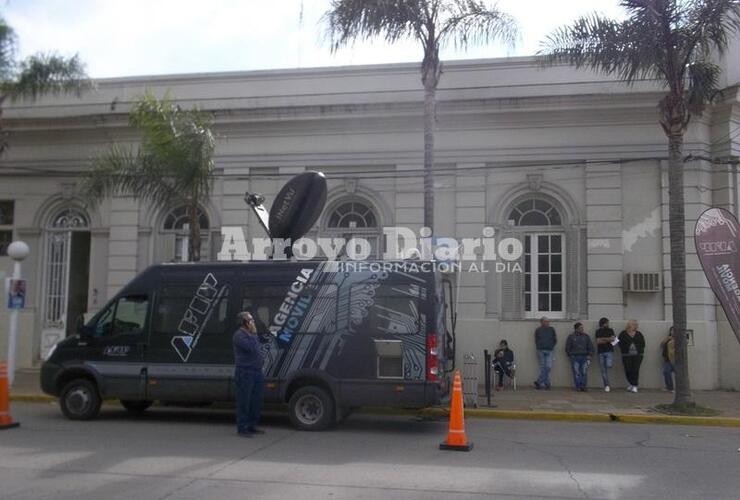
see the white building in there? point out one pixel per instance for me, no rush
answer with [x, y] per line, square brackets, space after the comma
[572, 162]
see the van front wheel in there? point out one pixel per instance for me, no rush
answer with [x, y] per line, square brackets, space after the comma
[311, 408]
[80, 400]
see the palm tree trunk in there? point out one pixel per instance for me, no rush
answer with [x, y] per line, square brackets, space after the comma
[194, 237]
[677, 227]
[3, 135]
[430, 111]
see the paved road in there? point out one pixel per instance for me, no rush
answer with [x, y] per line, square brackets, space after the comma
[193, 454]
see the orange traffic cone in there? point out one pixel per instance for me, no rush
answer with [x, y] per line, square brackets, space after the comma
[6, 422]
[456, 439]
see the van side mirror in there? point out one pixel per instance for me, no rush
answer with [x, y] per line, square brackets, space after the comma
[82, 329]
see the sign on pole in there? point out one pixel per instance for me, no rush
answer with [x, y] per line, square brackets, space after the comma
[15, 293]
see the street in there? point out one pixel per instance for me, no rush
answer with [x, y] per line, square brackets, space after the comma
[181, 454]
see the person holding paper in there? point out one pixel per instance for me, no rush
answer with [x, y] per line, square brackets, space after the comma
[605, 342]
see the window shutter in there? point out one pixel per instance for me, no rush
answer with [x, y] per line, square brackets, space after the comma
[512, 289]
[164, 250]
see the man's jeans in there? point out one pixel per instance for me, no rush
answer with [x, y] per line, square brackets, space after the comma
[578, 362]
[545, 358]
[668, 375]
[606, 360]
[249, 388]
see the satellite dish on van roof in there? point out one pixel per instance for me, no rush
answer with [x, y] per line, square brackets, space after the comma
[296, 207]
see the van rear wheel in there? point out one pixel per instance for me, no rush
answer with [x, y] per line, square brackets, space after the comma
[79, 400]
[311, 408]
[135, 406]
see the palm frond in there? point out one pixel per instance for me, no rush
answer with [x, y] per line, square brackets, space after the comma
[172, 166]
[472, 22]
[49, 73]
[609, 46]
[121, 171]
[710, 23]
[703, 79]
[392, 20]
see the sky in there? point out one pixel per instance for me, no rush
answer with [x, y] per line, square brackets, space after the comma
[151, 37]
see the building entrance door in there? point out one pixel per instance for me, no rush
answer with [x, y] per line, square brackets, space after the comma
[66, 275]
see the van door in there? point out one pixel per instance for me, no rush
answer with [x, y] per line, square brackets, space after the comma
[189, 358]
[116, 345]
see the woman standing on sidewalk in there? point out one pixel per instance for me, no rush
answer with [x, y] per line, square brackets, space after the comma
[632, 345]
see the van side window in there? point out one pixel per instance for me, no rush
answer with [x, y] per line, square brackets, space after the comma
[175, 306]
[391, 310]
[265, 301]
[126, 316]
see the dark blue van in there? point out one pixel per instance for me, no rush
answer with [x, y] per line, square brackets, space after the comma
[335, 335]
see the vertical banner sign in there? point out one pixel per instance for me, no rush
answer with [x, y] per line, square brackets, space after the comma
[16, 293]
[717, 239]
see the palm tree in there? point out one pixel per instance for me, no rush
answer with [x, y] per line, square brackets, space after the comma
[433, 23]
[36, 75]
[172, 167]
[671, 42]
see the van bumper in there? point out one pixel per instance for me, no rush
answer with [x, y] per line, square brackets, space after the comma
[401, 394]
[49, 374]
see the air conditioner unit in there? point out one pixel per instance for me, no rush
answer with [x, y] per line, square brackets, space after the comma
[642, 282]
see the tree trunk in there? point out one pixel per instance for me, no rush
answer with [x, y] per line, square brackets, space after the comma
[430, 112]
[677, 226]
[194, 237]
[3, 134]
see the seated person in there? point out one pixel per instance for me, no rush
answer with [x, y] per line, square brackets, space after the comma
[503, 362]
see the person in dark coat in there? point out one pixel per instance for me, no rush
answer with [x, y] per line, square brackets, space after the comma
[632, 346]
[579, 349]
[545, 339]
[503, 363]
[248, 377]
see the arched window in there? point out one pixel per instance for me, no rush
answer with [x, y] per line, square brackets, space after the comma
[535, 212]
[352, 215]
[69, 219]
[354, 219]
[176, 219]
[544, 256]
[175, 234]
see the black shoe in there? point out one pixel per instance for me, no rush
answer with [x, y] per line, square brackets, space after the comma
[547, 387]
[255, 430]
[537, 385]
[245, 434]
[584, 389]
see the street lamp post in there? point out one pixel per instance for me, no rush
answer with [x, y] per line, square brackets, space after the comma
[17, 251]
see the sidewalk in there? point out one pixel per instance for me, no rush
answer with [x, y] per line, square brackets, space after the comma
[528, 403]
[598, 401]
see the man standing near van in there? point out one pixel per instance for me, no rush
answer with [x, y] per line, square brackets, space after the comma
[248, 376]
[544, 340]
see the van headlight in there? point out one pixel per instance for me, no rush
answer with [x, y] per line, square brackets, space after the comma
[51, 351]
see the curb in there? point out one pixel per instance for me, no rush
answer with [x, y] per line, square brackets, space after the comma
[32, 398]
[562, 416]
[627, 418]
